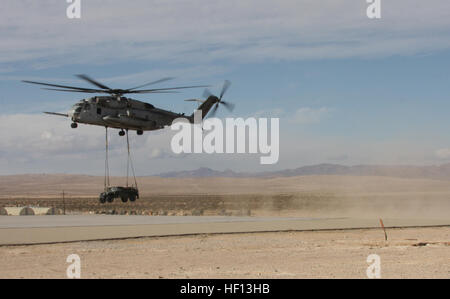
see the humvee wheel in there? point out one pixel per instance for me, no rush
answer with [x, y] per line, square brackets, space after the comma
[102, 199]
[124, 199]
[132, 198]
[110, 199]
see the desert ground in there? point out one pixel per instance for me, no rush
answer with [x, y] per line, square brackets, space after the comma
[302, 196]
[416, 252]
[408, 253]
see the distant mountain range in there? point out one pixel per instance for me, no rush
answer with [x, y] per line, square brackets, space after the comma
[431, 172]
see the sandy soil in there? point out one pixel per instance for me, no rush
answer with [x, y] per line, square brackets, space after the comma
[35, 185]
[302, 196]
[409, 253]
[324, 254]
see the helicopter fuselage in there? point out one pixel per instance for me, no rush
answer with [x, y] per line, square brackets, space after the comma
[116, 111]
[121, 113]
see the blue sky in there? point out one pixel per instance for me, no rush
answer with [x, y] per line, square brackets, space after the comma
[347, 89]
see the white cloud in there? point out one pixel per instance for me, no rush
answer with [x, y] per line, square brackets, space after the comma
[274, 112]
[163, 153]
[33, 143]
[43, 143]
[443, 153]
[198, 31]
[43, 135]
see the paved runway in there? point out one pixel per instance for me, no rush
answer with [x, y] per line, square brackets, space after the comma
[17, 230]
[106, 220]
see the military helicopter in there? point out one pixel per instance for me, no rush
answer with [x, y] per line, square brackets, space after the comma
[117, 111]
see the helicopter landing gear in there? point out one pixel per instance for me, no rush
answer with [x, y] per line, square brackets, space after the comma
[140, 132]
[73, 125]
[121, 133]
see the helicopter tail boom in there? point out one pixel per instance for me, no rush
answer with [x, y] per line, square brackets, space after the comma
[205, 107]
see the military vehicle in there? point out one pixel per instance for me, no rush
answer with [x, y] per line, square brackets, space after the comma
[124, 193]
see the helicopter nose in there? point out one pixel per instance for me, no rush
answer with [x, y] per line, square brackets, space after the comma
[73, 114]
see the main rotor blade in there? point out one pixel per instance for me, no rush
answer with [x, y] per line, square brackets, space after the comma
[154, 82]
[56, 85]
[164, 89]
[107, 90]
[101, 91]
[58, 114]
[226, 84]
[83, 91]
[195, 100]
[149, 91]
[92, 81]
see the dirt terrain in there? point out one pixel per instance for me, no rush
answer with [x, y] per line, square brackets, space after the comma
[52, 185]
[330, 195]
[408, 253]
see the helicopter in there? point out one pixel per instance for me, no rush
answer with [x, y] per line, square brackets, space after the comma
[117, 111]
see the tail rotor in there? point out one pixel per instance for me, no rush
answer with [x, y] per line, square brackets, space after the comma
[229, 106]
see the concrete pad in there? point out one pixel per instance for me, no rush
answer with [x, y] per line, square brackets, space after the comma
[16, 230]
